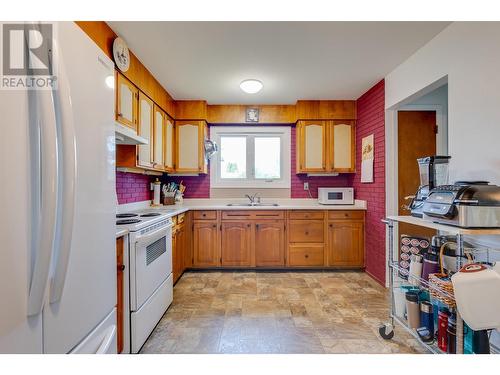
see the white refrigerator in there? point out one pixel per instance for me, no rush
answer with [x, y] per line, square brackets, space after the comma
[57, 251]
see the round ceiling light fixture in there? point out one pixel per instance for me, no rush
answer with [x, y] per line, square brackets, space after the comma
[251, 86]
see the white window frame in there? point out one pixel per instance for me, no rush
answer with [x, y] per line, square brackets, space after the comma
[283, 132]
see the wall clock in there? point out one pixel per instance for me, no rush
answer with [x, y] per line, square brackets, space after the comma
[121, 54]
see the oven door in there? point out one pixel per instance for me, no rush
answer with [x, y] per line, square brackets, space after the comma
[151, 264]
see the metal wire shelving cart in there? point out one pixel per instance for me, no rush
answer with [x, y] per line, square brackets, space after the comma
[386, 330]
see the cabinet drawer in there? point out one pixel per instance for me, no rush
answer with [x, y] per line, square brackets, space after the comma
[205, 215]
[309, 215]
[306, 231]
[252, 215]
[355, 215]
[302, 256]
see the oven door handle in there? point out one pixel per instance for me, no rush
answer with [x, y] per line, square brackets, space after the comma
[153, 236]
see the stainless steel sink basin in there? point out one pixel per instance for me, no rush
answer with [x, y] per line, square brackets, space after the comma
[252, 204]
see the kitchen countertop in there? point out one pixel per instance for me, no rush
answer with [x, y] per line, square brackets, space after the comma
[222, 204]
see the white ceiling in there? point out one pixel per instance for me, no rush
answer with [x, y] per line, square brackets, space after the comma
[294, 60]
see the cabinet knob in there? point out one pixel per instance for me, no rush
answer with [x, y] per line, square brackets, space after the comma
[204, 215]
[248, 225]
[306, 256]
[214, 226]
[307, 233]
[331, 225]
[121, 267]
[119, 114]
[256, 226]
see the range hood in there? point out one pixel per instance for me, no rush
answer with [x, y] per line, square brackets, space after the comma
[126, 136]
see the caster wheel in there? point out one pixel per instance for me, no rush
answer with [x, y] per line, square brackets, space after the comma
[386, 331]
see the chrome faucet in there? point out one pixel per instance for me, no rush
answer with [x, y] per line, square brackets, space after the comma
[254, 199]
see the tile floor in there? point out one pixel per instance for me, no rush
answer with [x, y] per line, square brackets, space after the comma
[276, 312]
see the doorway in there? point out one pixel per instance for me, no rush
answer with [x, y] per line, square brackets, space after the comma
[417, 132]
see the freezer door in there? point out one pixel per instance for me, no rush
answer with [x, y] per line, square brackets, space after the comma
[18, 332]
[83, 285]
[102, 340]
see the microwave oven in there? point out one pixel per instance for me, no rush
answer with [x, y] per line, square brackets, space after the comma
[336, 195]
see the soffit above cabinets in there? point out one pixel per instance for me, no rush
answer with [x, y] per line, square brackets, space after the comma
[294, 60]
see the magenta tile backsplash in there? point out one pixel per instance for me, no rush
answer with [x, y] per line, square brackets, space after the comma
[132, 187]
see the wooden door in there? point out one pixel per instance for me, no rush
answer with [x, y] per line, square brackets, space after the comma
[236, 244]
[145, 130]
[345, 243]
[269, 243]
[126, 102]
[158, 138]
[188, 137]
[206, 245]
[341, 146]
[416, 139]
[311, 146]
[120, 268]
[169, 144]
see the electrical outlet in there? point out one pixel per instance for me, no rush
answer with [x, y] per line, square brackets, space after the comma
[306, 185]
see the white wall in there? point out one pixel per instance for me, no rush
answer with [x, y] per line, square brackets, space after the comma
[469, 54]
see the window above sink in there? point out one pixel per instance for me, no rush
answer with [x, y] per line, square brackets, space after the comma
[251, 157]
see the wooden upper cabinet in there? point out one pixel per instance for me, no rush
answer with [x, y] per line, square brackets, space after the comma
[206, 245]
[236, 244]
[325, 146]
[126, 102]
[341, 153]
[145, 130]
[269, 243]
[190, 146]
[169, 144]
[346, 243]
[311, 146]
[158, 138]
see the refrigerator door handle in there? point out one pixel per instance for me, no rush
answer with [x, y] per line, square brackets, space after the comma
[49, 190]
[64, 120]
[107, 340]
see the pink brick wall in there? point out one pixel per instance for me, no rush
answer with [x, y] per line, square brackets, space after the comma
[371, 120]
[132, 187]
[297, 180]
[196, 186]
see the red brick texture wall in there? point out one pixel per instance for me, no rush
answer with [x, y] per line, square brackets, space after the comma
[371, 120]
[132, 187]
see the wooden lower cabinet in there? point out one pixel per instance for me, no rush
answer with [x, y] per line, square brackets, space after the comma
[206, 245]
[178, 249]
[269, 244]
[236, 244]
[345, 243]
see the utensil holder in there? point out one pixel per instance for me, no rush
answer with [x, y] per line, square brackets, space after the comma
[169, 199]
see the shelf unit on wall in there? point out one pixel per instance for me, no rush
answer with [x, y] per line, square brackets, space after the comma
[395, 270]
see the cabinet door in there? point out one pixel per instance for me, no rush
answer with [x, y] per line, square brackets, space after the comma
[175, 255]
[145, 130]
[188, 137]
[158, 138]
[206, 246]
[181, 248]
[236, 244]
[126, 102]
[269, 244]
[169, 144]
[311, 146]
[341, 153]
[346, 243]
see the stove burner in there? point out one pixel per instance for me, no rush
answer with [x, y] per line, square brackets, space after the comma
[125, 215]
[127, 221]
[150, 214]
